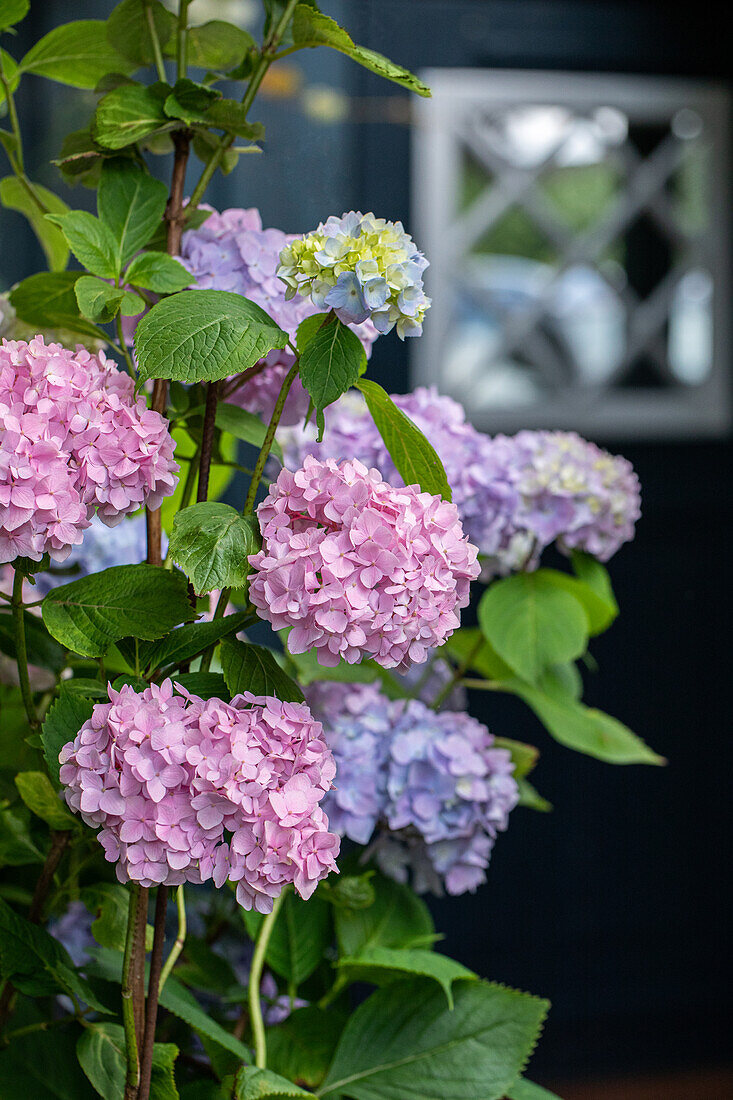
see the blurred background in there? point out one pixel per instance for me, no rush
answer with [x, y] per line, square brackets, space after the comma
[570, 183]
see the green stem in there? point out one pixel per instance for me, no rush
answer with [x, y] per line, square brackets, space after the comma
[457, 676]
[132, 1077]
[16, 159]
[255, 977]
[21, 652]
[182, 52]
[175, 952]
[157, 53]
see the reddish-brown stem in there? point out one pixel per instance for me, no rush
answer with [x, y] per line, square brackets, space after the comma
[138, 967]
[207, 440]
[151, 1008]
[175, 217]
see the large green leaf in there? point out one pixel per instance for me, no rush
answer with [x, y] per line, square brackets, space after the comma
[397, 918]
[101, 1053]
[312, 28]
[415, 458]
[63, 721]
[386, 964]
[131, 204]
[128, 29]
[217, 45]
[91, 241]
[532, 624]
[211, 543]
[600, 607]
[49, 1070]
[76, 53]
[302, 1046]
[526, 1090]
[253, 668]
[101, 301]
[207, 685]
[404, 1041]
[256, 1084]
[157, 272]
[47, 300]
[299, 939]
[204, 335]
[14, 196]
[110, 904]
[142, 601]
[189, 641]
[586, 729]
[127, 114]
[12, 11]
[330, 364]
[37, 792]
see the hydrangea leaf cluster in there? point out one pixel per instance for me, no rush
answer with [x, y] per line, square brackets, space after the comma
[187, 790]
[362, 268]
[231, 251]
[516, 495]
[75, 441]
[358, 568]
[430, 790]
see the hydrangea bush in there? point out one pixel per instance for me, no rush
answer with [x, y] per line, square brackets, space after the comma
[276, 809]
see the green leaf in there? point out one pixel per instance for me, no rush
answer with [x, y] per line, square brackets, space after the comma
[382, 964]
[416, 460]
[101, 1053]
[128, 29]
[397, 918]
[41, 648]
[586, 729]
[244, 425]
[78, 54]
[255, 1084]
[127, 114]
[38, 794]
[589, 570]
[330, 364]
[207, 685]
[63, 721]
[217, 45]
[187, 642]
[110, 904]
[80, 159]
[204, 335]
[184, 1005]
[404, 1042]
[12, 12]
[12, 75]
[14, 196]
[131, 204]
[231, 115]
[100, 301]
[302, 1046]
[299, 939]
[307, 329]
[189, 101]
[210, 541]
[562, 682]
[253, 668]
[525, 1090]
[531, 798]
[54, 1075]
[600, 610]
[349, 891]
[90, 240]
[312, 28]
[17, 846]
[532, 624]
[47, 300]
[142, 601]
[158, 272]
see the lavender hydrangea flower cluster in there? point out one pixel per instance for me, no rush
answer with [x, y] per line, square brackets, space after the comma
[75, 441]
[360, 267]
[186, 790]
[516, 495]
[231, 251]
[358, 568]
[431, 790]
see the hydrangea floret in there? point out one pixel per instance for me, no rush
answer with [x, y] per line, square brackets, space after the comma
[232, 251]
[186, 790]
[358, 568]
[74, 441]
[362, 268]
[431, 791]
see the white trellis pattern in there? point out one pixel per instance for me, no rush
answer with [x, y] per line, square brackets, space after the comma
[549, 312]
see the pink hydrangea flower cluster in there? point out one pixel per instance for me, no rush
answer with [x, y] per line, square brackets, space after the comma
[359, 568]
[74, 441]
[186, 790]
[231, 251]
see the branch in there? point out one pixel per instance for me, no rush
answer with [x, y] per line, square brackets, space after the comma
[151, 1008]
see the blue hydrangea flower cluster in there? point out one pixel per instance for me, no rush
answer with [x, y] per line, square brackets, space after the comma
[516, 495]
[429, 791]
[360, 267]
